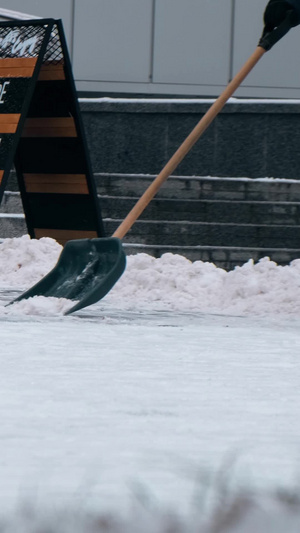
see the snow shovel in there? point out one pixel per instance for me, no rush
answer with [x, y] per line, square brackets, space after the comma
[87, 269]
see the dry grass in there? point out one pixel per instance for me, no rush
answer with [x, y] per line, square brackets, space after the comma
[277, 512]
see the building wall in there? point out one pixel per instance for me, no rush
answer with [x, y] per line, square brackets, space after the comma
[170, 46]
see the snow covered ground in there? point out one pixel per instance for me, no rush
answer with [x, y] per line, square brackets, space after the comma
[183, 378]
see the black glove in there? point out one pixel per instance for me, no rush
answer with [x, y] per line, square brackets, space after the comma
[279, 18]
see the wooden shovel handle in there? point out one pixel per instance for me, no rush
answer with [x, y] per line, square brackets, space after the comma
[188, 144]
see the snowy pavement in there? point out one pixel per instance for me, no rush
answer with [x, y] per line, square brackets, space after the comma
[150, 392]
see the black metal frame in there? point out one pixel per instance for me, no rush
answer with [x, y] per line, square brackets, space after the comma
[51, 210]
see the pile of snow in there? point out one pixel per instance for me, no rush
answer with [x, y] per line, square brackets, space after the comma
[38, 305]
[171, 282]
[175, 283]
[24, 261]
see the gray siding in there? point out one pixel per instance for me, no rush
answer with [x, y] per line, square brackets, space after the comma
[190, 47]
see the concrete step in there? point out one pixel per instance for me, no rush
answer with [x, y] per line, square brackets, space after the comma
[222, 220]
[12, 225]
[12, 183]
[185, 234]
[226, 257]
[195, 188]
[209, 234]
[11, 203]
[247, 212]
[192, 187]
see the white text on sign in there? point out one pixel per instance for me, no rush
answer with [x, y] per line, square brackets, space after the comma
[3, 87]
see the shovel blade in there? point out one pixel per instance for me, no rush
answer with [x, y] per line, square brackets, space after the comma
[86, 271]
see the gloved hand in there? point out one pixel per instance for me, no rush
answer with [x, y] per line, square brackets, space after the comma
[279, 18]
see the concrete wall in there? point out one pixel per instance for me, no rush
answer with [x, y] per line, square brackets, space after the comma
[175, 47]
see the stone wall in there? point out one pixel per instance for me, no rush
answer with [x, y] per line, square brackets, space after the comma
[253, 138]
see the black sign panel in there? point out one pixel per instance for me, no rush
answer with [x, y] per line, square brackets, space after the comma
[41, 132]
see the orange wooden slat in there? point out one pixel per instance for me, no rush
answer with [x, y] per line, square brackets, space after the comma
[49, 122]
[10, 118]
[11, 72]
[21, 67]
[17, 62]
[49, 127]
[56, 183]
[1, 175]
[64, 178]
[50, 188]
[8, 128]
[49, 132]
[52, 72]
[62, 235]
[9, 122]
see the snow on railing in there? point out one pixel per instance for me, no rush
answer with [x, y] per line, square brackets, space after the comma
[8, 14]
